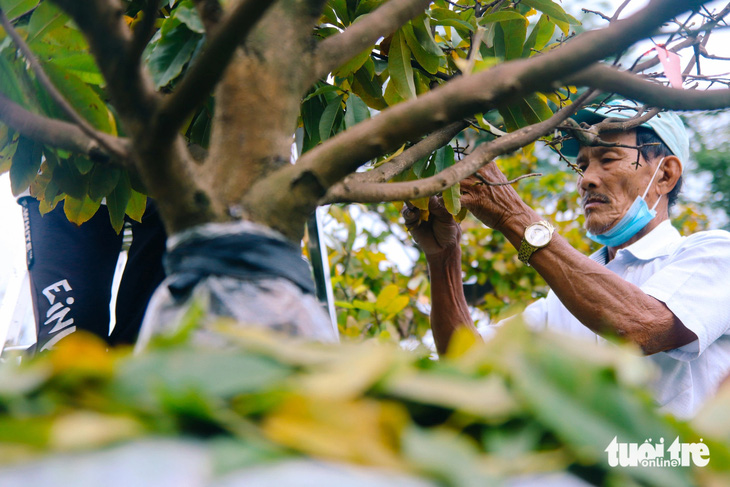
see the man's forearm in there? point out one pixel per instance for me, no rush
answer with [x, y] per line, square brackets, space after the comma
[597, 297]
[449, 309]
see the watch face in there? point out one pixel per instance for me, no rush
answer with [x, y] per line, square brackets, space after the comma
[537, 235]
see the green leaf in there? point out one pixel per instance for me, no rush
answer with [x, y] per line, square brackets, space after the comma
[536, 109]
[512, 116]
[171, 53]
[353, 64]
[188, 15]
[551, 8]
[16, 8]
[81, 210]
[399, 66]
[83, 164]
[444, 16]
[178, 370]
[514, 32]
[367, 6]
[444, 158]
[329, 117]
[70, 181]
[541, 34]
[117, 202]
[8, 145]
[363, 305]
[46, 18]
[425, 58]
[82, 97]
[9, 84]
[136, 206]
[321, 90]
[356, 111]
[80, 64]
[446, 455]
[422, 30]
[367, 86]
[25, 165]
[340, 8]
[452, 199]
[104, 179]
[501, 16]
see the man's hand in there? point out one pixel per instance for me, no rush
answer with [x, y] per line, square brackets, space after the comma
[438, 236]
[487, 203]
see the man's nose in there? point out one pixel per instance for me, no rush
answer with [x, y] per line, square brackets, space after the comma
[590, 178]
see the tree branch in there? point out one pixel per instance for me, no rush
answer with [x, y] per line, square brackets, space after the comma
[606, 78]
[60, 134]
[210, 12]
[202, 77]
[334, 51]
[108, 143]
[398, 165]
[320, 168]
[482, 155]
[145, 29]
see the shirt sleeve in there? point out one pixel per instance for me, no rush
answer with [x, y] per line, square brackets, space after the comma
[535, 315]
[695, 287]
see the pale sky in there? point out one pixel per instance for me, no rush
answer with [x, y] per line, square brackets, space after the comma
[12, 242]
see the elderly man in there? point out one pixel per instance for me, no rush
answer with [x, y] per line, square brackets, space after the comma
[667, 293]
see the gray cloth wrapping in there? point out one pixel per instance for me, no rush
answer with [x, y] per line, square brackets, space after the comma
[236, 270]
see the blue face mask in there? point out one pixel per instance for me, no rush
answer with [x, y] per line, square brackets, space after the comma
[638, 216]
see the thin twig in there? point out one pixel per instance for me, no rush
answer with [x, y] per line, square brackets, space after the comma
[620, 9]
[505, 183]
[600, 14]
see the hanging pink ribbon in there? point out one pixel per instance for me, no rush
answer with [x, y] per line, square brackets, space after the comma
[672, 66]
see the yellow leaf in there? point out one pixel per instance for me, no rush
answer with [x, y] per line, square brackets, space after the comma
[355, 372]
[136, 206]
[86, 429]
[363, 432]
[80, 211]
[462, 340]
[386, 295]
[82, 352]
[394, 154]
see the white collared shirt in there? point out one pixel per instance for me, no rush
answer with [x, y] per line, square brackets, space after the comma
[691, 275]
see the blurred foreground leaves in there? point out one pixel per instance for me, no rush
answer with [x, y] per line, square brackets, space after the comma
[521, 404]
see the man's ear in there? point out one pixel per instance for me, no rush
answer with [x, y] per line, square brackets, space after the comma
[669, 174]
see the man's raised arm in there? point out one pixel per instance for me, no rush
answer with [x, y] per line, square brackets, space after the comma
[440, 240]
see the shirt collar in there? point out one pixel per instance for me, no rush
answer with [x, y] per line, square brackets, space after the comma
[657, 243]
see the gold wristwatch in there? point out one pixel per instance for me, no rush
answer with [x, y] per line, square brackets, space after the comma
[537, 236]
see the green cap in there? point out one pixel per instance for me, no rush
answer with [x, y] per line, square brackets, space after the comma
[667, 125]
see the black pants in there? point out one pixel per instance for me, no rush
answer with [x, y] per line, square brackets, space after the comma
[72, 267]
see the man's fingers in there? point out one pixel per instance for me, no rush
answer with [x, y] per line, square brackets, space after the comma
[411, 215]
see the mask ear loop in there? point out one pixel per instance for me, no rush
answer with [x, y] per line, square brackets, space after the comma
[656, 171]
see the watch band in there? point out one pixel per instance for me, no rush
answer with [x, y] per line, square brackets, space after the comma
[527, 249]
[525, 252]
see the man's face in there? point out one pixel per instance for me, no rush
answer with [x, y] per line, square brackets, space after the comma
[610, 182]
